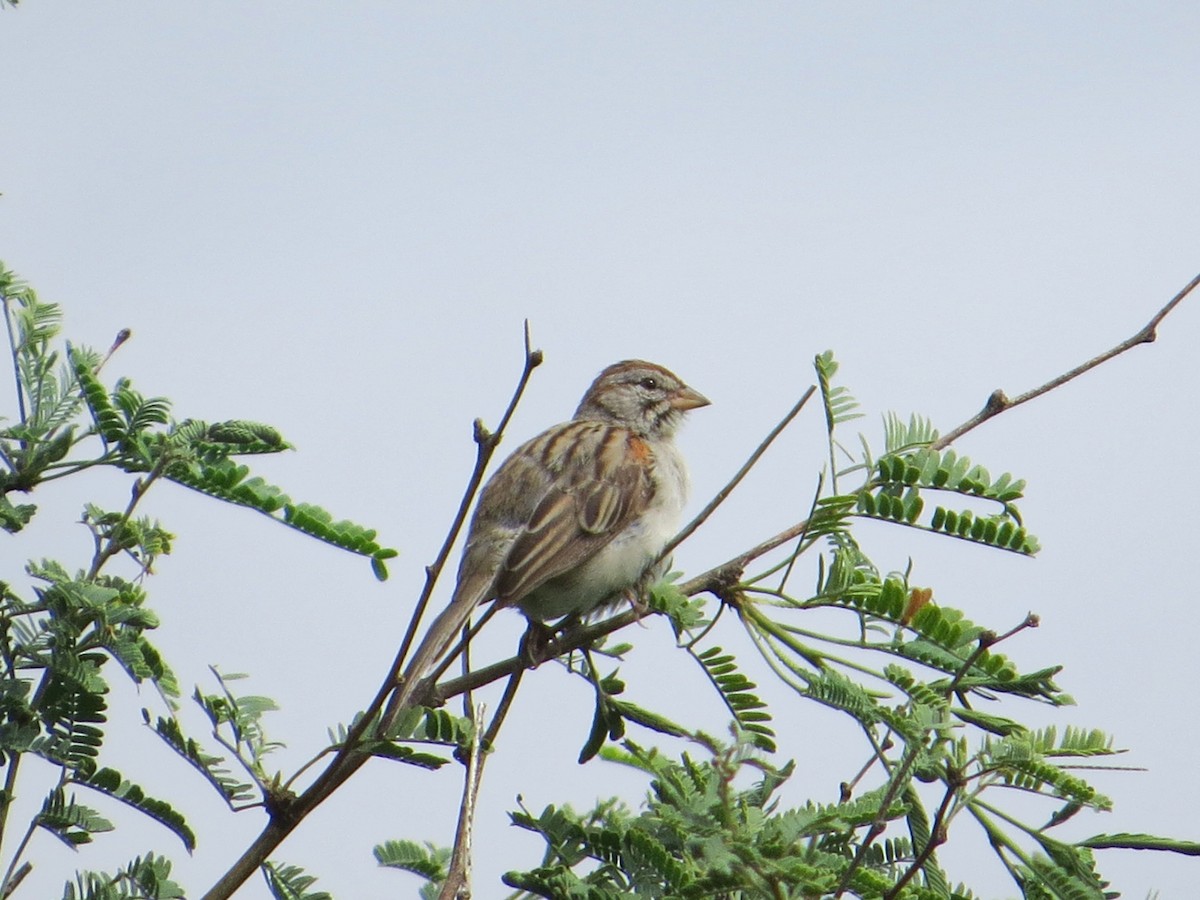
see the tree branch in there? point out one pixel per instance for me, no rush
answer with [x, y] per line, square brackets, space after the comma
[721, 576]
[458, 879]
[348, 760]
[741, 473]
[714, 580]
[999, 402]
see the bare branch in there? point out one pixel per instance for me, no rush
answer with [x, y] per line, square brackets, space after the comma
[458, 880]
[724, 492]
[998, 402]
[937, 837]
[486, 443]
[349, 759]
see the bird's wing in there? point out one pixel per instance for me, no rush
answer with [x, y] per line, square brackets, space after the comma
[553, 504]
[601, 483]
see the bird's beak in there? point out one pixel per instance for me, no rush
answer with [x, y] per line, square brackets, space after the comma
[686, 398]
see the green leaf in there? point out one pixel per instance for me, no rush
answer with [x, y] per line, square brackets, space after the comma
[110, 782]
[652, 720]
[290, 883]
[838, 402]
[995, 724]
[14, 517]
[230, 789]
[229, 481]
[427, 861]
[736, 690]
[68, 821]
[109, 423]
[243, 437]
[400, 753]
[146, 878]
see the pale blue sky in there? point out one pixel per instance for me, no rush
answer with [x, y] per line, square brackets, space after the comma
[335, 217]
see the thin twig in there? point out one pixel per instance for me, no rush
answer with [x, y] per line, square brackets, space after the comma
[113, 545]
[878, 826]
[122, 336]
[458, 649]
[486, 443]
[876, 757]
[998, 402]
[510, 692]
[458, 879]
[6, 886]
[15, 882]
[10, 785]
[937, 837]
[348, 760]
[795, 554]
[985, 641]
[741, 473]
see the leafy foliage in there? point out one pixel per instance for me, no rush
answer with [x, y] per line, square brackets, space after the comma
[920, 681]
[291, 883]
[918, 709]
[700, 835]
[232, 790]
[749, 712]
[418, 725]
[110, 782]
[427, 861]
[145, 878]
[135, 432]
[839, 405]
[58, 644]
[70, 822]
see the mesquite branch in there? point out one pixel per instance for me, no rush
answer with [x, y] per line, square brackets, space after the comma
[999, 402]
[715, 580]
[286, 816]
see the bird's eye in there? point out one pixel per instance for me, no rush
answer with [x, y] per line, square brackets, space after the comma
[649, 383]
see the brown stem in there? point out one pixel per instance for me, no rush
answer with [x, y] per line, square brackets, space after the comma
[741, 473]
[348, 760]
[458, 879]
[998, 402]
[486, 443]
[937, 837]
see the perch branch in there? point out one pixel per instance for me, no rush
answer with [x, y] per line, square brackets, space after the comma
[348, 759]
[999, 402]
[728, 572]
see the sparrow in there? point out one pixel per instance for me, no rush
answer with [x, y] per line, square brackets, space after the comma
[575, 517]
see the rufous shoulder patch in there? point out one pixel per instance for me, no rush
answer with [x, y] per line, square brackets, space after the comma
[639, 450]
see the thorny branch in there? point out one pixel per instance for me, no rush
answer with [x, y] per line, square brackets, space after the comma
[457, 885]
[728, 572]
[349, 759]
[714, 580]
[998, 402]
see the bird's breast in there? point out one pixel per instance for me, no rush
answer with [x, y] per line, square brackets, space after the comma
[620, 564]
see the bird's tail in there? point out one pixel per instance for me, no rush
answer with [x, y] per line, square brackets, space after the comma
[438, 639]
